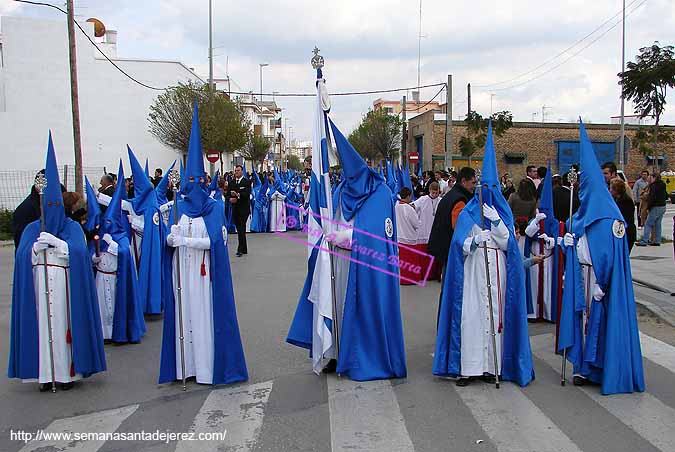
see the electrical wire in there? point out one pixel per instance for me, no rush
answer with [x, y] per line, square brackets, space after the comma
[571, 56]
[352, 93]
[556, 56]
[429, 101]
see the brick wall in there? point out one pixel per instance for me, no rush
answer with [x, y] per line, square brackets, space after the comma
[537, 140]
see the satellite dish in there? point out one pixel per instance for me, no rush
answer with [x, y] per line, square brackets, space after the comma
[99, 28]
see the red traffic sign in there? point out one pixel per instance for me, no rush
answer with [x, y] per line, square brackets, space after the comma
[413, 156]
[212, 156]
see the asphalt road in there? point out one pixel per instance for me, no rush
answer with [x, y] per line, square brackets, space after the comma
[285, 407]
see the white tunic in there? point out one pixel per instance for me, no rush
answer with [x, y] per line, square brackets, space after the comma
[59, 295]
[197, 302]
[106, 284]
[407, 224]
[476, 340]
[426, 209]
[535, 250]
[277, 221]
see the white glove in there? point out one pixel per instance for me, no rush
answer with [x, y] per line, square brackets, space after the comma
[107, 238]
[568, 240]
[549, 242]
[49, 239]
[95, 259]
[176, 240]
[490, 213]
[39, 246]
[598, 293]
[482, 237]
[175, 229]
[532, 228]
[540, 216]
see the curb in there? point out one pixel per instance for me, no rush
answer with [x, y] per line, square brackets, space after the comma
[650, 285]
[6, 244]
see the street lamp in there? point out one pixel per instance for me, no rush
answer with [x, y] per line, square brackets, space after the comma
[262, 65]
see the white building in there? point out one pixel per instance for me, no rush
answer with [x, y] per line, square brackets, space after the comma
[35, 97]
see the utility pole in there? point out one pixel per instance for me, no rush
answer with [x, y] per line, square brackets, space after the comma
[491, 97]
[211, 86]
[404, 147]
[74, 99]
[468, 99]
[543, 113]
[448, 124]
[623, 100]
[419, 51]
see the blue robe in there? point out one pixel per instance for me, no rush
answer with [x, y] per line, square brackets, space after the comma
[516, 353]
[229, 364]
[85, 319]
[611, 355]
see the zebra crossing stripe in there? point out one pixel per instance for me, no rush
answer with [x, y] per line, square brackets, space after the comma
[365, 416]
[512, 421]
[237, 411]
[657, 351]
[644, 413]
[59, 434]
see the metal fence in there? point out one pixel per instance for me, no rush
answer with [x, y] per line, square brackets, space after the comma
[15, 184]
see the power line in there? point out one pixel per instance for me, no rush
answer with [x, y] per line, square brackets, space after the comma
[352, 93]
[429, 101]
[571, 56]
[555, 57]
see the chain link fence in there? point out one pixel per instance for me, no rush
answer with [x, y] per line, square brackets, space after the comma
[15, 185]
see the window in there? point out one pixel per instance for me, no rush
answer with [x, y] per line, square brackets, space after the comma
[388, 110]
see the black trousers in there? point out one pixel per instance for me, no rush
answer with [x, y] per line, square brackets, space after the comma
[240, 223]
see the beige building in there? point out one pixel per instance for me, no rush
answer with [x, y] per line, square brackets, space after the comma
[395, 107]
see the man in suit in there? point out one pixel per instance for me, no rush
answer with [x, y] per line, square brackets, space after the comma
[240, 193]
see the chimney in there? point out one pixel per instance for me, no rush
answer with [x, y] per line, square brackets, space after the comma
[109, 45]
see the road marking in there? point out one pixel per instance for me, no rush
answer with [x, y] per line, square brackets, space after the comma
[512, 421]
[237, 411]
[365, 416]
[644, 413]
[657, 351]
[100, 422]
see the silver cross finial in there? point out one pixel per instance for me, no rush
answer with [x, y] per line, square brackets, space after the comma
[174, 177]
[40, 183]
[572, 176]
[317, 60]
[478, 175]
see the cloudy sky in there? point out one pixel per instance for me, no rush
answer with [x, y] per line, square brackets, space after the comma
[514, 53]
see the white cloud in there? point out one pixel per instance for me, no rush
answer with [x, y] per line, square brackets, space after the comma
[373, 45]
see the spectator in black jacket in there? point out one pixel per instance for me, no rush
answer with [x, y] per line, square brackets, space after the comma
[658, 195]
[618, 189]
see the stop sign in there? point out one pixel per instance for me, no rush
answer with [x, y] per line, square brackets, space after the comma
[413, 156]
[212, 156]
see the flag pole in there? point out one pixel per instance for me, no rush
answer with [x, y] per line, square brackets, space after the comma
[572, 179]
[174, 179]
[318, 63]
[40, 186]
[489, 282]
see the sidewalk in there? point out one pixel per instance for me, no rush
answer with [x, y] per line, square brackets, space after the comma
[653, 270]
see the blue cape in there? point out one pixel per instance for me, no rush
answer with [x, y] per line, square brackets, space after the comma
[128, 321]
[229, 364]
[85, 319]
[146, 203]
[260, 207]
[551, 229]
[611, 356]
[516, 352]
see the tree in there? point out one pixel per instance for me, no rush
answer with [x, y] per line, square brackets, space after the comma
[224, 126]
[644, 139]
[256, 149]
[476, 128]
[294, 162]
[646, 83]
[378, 135]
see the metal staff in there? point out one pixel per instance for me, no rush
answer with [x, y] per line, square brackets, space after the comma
[489, 283]
[318, 63]
[174, 180]
[572, 179]
[40, 185]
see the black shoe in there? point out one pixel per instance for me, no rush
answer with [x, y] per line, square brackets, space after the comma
[107, 341]
[66, 386]
[654, 244]
[489, 378]
[239, 254]
[578, 381]
[640, 244]
[44, 387]
[463, 381]
[331, 367]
